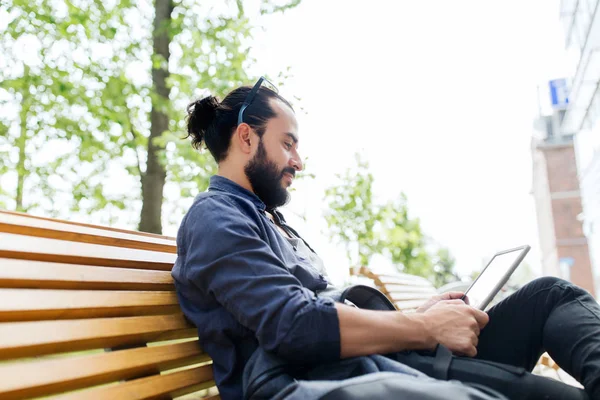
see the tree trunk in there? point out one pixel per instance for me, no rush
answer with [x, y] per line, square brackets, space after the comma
[153, 180]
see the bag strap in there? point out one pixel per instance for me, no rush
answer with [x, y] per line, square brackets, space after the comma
[441, 363]
[364, 296]
[280, 220]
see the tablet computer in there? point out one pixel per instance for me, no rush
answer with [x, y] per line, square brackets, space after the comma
[494, 276]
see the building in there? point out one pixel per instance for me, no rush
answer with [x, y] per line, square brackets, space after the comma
[563, 245]
[581, 22]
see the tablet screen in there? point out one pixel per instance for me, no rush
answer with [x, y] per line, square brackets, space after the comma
[495, 272]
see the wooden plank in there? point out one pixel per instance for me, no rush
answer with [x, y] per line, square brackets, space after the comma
[175, 384]
[43, 249]
[411, 289]
[408, 304]
[27, 339]
[44, 275]
[547, 361]
[46, 377]
[406, 277]
[58, 230]
[74, 225]
[410, 296]
[403, 282]
[43, 304]
[85, 238]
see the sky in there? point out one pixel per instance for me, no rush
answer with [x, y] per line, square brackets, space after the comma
[439, 97]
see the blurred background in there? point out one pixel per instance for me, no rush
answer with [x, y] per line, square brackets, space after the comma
[435, 133]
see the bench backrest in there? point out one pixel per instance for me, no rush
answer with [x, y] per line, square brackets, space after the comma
[91, 312]
[407, 292]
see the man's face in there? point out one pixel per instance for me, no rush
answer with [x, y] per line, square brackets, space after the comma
[275, 162]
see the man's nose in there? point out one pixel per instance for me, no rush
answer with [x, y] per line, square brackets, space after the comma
[296, 163]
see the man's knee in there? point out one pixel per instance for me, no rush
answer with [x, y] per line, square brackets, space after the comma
[546, 282]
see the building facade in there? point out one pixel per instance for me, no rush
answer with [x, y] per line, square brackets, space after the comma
[581, 23]
[563, 245]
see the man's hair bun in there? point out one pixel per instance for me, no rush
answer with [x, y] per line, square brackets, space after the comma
[201, 115]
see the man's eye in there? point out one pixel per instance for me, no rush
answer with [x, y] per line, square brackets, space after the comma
[288, 145]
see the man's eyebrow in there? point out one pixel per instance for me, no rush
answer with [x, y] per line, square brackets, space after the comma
[293, 137]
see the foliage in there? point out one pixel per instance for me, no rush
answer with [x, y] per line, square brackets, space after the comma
[81, 82]
[47, 90]
[351, 216]
[366, 228]
[443, 268]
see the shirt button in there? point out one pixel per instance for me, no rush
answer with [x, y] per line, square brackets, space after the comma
[295, 248]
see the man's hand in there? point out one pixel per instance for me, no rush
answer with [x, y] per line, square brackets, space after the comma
[456, 325]
[437, 298]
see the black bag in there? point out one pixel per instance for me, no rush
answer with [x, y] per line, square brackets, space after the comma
[514, 382]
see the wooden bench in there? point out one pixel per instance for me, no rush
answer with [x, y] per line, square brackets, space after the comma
[407, 292]
[90, 312]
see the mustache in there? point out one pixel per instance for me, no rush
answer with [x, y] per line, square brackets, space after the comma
[290, 171]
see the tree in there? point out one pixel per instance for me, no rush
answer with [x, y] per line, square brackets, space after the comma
[114, 92]
[351, 215]
[366, 228]
[443, 268]
[47, 102]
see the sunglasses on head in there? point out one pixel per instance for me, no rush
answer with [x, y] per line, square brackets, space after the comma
[262, 80]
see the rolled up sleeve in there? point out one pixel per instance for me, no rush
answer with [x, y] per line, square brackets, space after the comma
[227, 258]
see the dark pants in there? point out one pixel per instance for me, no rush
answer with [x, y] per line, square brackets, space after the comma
[547, 314]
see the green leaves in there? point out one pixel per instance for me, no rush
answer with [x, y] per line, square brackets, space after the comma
[352, 216]
[79, 100]
[269, 7]
[366, 228]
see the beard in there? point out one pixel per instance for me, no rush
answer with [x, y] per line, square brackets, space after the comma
[265, 179]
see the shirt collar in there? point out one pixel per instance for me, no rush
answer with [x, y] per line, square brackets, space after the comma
[222, 184]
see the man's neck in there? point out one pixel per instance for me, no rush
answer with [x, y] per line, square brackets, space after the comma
[235, 175]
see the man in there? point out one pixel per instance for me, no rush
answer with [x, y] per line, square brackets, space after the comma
[247, 280]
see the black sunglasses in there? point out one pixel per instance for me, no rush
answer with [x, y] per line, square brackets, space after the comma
[252, 95]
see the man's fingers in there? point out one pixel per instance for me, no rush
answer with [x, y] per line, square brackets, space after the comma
[481, 317]
[453, 295]
[475, 328]
[454, 301]
[471, 351]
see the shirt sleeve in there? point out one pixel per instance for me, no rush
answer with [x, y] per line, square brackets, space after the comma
[226, 258]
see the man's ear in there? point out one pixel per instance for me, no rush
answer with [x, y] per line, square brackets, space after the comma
[243, 137]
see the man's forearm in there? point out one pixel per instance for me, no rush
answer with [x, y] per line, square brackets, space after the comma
[365, 332]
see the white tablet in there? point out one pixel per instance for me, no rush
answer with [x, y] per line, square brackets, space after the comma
[494, 276]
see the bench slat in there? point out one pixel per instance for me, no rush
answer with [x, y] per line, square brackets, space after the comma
[56, 230]
[411, 289]
[410, 296]
[408, 304]
[42, 304]
[416, 284]
[45, 377]
[71, 226]
[43, 249]
[27, 339]
[85, 238]
[44, 275]
[174, 384]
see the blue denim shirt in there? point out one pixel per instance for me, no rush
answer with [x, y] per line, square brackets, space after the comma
[243, 286]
